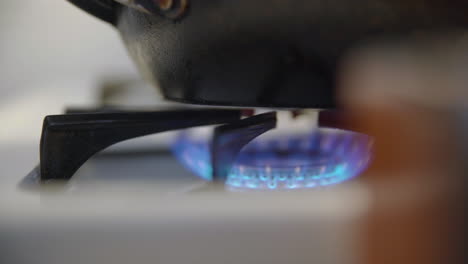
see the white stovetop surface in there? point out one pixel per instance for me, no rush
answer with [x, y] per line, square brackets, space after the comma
[144, 222]
[148, 221]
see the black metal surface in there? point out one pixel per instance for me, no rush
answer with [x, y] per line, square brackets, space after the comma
[272, 53]
[68, 141]
[102, 9]
[237, 53]
[104, 109]
[228, 141]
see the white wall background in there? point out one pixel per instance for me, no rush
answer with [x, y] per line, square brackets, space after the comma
[51, 54]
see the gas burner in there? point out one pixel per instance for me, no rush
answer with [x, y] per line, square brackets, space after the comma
[321, 157]
[234, 154]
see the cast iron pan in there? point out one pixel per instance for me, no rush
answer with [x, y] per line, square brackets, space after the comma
[261, 53]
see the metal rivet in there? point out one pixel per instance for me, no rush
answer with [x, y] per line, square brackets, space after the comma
[165, 5]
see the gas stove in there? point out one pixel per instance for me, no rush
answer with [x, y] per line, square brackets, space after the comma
[322, 133]
[160, 196]
[240, 149]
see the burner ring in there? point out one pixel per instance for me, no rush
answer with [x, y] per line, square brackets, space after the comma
[299, 161]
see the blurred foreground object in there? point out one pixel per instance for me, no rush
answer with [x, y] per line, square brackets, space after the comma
[410, 96]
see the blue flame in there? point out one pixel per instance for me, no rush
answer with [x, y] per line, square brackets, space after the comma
[194, 155]
[324, 157]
